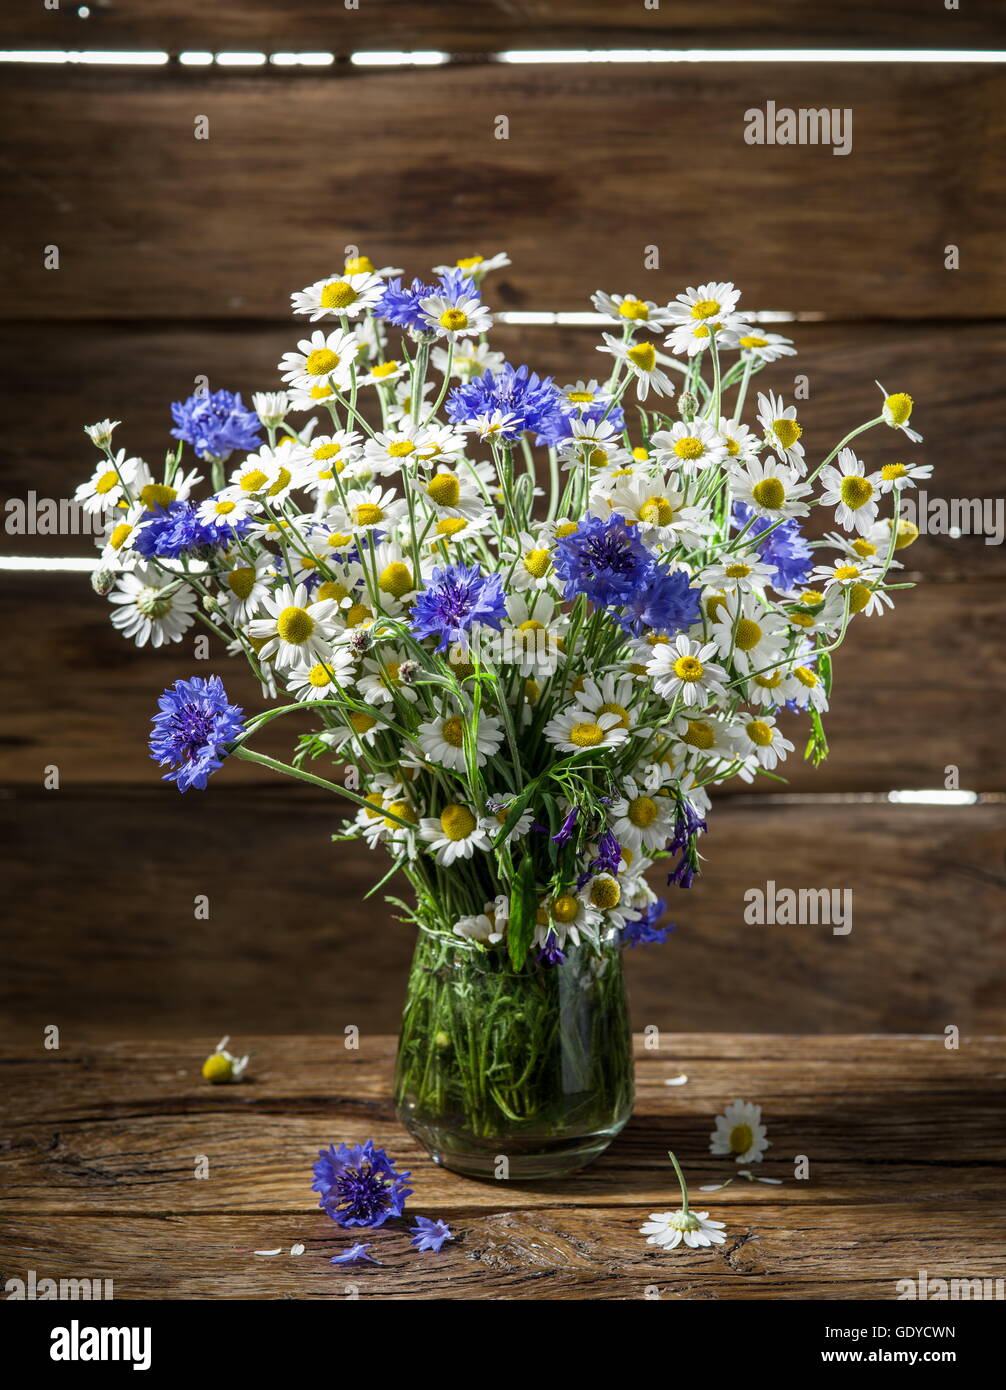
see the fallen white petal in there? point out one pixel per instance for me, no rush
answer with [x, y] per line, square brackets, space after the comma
[267, 1252]
[681, 1080]
[296, 1249]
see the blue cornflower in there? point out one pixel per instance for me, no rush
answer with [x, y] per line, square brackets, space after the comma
[605, 560]
[609, 855]
[192, 729]
[664, 602]
[176, 530]
[551, 953]
[688, 825]
[430, 1235]
[354, 1254]
[643, 930]
[400, 306]
[533, 402]
[565, 832]
[359, 1185]
[455, 284]
[216, 423]
[785, 548]
[454, 600]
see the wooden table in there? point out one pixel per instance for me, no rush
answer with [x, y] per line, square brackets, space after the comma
[904, 1140]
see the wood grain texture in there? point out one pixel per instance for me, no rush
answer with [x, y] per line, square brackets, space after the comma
[81, 697]
[495, 24]
[100, 1146]
[100, 891]
[131, 372]
[225, 227]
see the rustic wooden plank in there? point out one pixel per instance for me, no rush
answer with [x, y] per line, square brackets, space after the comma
[500, 24]
[131, 372]
[774, 1252]
[914, 1139]
[81, 697]
[167, 228]
[307, 954]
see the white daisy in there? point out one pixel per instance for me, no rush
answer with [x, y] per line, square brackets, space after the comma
[851, 491]
[383, 374]
[744, 572]
[684, 668]
[639, 820]
[641, 360]
[246, 583]
[741, 444]
[627, 308]
[324, 359]
[902, 475]
[442, 740]
[806, 689]
[100, 434]
[578, 730]
[897, 411]
[658, 510]
[612, 694]
[532, 638]
[499, 809]
[689, 446]
[271, 407]
[369, 509]
[692, 338]
[782, 432]
[380, 678]
[739, 1131]
[296, 631]
[110, 483]
[765, 347]
[455, 316]
[322, 679]
[471, 359]
[150, 609]
[530, 558]
[455, 834]
[705, 304]
[475, 267]
[669, 1229]
[770, 488]
[345, 295]
[747, 634]
[566, 917]
[269, 475]
[758, 737]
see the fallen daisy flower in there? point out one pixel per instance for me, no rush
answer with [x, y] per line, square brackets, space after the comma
[222, 1066]
[669, 1229]
[740, 1133]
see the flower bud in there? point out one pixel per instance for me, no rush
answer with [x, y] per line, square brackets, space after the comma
[103, 581]
[687, 406]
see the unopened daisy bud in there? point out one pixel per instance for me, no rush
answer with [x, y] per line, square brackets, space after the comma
[408, 671]
[687, 405]
[442, 1041]
[221, 1067]
[100, 434]
[211, 605]
[271, 407]
[103, 581]
[360, 641]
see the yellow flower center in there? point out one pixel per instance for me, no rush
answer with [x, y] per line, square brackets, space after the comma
[892, 471]
[106, 482]
[688, 668]
[157, 495]
[457, 822]
[699, 734]
[282, 479]
[381, 369]
[714, 603]
[536, 562]
[812, 598]
[224, 508]
[356, 614]
[367, 514]
[703, 308]
[338, 295]
[319, 393]
[769, 682]
[643, 356]
[359, 265]
[856, 491]
[401, 448]
[402, 810]
[395, 579]
[738, 571]
[748, 634]
[741, 1139]
[319, 677]
[444, 489]
[907, 533]
[750, 341]
[324, 452]
[846, 571]
[451, 732]
[859, 597]
[453, 320]
[118, 537]
[801, 620]
[805, 676]
[451, 525]
[611, 708]
[761, 733]
[254, 481]
[787, 432]
[566, 529]
[532, 691]
[362, 723]
[605, 893]
[295, 625]
[332, 589]
[565, 908]
[586, 735]
[689, 447]
[899, 407]
[469, 262]
[579, 397]
[863, 547]
[769, 493]
[642, 812]
[241, 581]
[634, 309]
[657, 510]
[321, 362]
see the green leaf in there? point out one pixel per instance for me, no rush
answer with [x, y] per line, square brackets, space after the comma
[523, 913]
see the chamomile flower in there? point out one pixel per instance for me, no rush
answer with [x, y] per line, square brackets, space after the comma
[296, 631]
[690, 338]
[342, 296]
[782, 431]
[530, 559]
[498, 808]
[471, 358]
[324, 359]
[627, 308]
[705, 304]
[448, 493]
[902, 475]
[455, 315]
[851, 491]
[739, 1132]
[442, 739]
[531, 637]
[383, 374]
[150, 609]
[271, 407]
[111, 483]
[380, 678]
[475, 267]
[577, 730]
[591, 442]
[482, 926]
[611, 694]
[690, 446]
[744, 572]
[758, 737]
[492, 424]
[579, 396]
[896, 413]
[392, 450]
[641, 361]
[567, 917]
[322, 680]
[741, 443]
[100, 434]
[764, 347]
[369, 509]
[640, 820]
[246, 584]
[805, 688]
[267, 475]
[669, 1229]
[685, 668]
[705, 738]
[747, 634]
[771, 488]
[455, 834]
[658, 510]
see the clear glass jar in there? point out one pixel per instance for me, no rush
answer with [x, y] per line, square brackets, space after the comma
[514, 1074]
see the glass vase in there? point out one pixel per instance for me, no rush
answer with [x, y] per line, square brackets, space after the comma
[514, 1074]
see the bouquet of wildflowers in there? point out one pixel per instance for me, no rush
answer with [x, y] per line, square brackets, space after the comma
[533, 622]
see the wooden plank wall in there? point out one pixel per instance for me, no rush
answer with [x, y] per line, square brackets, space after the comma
[176, 259]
